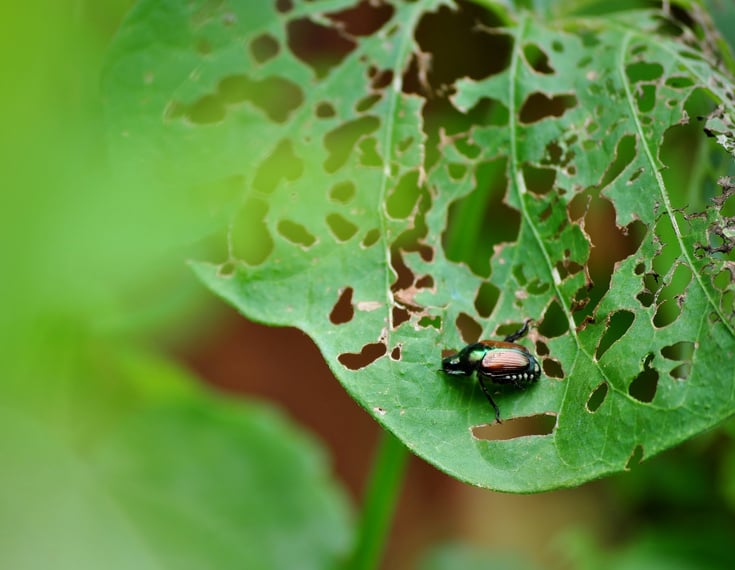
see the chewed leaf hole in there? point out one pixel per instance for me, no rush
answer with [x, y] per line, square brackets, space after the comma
[487, 297]
[469, 328]
[281, 164]
[618, 324]
[635, 457]
[343, 311]
[371, 238]
[364, 19]
[369, 354]
[524, 426]
[683, 350]
[539, 106]
[537, 59]
[227, 269]
[341, 227]
[682, 371]
[343, 192]
[320, 47]
[400, 316]
[341, 140]
[553, 369]
[296, 233]
[643, 387]
[395, 354]
[263, 48]
[249, 236]
[427, 321]
[597, 398]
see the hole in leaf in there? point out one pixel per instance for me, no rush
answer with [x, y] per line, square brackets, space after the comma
[263, 48]
[343, 311]
[538, 106]
[643, 71]
[371, 238]
[679, 82]
[343, 192]
[537, 59]
[341, 227]
[683, 350]
[324, 110]
[643, 387]
[617, 325]
[512, 428]
[284, 6]
[402, 200]
[381, 79]
[275, 96]
[227, 269]
[364, 19]
[454, 37]
[400, 316]
[404, 276]
[635, 457]
[487, 112]
[554, 322]
[281, 164]
[625, 152]
[540, 181]
[205, 111]
[666, 313]
[646, 98]
[469, 329]
[296, 233]
[251, 241]
[645, 298]
[597, 398]
[369, 152]
[319, 47]
[341, 140]
[367, 102]
[425, 282]
[682, 371]
[552, 368]
[395, 354]
[427, 321]
[456, 171]
[487, 297]
[369, 354]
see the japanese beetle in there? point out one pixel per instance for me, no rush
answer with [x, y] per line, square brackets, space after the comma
[497, 362]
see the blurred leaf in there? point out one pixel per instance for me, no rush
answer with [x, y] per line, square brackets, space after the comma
[450, 556]
[356, 133]
[699, 546]
[171, 477]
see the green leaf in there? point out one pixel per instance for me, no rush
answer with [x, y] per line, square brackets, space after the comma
[150, 471]
[445, 172]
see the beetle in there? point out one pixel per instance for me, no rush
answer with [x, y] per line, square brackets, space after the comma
[496, 362]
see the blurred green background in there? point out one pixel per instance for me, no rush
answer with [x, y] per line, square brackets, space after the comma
[115, 456]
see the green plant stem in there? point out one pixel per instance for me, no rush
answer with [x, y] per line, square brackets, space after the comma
[379, 503]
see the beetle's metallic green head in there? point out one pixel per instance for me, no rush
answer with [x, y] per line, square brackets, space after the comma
[465, 362]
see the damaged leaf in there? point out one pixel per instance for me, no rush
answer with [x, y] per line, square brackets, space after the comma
[417, 175]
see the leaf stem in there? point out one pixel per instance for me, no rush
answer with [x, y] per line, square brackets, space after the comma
[379, 504]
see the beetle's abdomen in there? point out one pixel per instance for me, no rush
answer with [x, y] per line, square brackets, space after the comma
[510, 366]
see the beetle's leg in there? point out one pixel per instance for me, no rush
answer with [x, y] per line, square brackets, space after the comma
[489, 399]
[520, 332]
